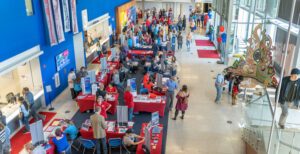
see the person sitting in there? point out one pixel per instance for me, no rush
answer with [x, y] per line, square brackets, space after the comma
[103, 105]
[144, 91]
[130, 140]
[70, 130]
[146, 78]
[149, 85]
[111, 89]
[61, 142]
[100, 91]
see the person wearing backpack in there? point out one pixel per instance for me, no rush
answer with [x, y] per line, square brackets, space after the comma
[24, 114]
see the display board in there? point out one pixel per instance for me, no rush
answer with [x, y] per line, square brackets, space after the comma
[62, 60]
[257, 63]
[124, 13]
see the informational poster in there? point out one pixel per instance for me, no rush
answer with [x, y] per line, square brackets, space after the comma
[66, 14]
[86, 85]
[62, 60]
[74, 16]
[50, 22]
[58, 22]
[84, 17]
[57, 80]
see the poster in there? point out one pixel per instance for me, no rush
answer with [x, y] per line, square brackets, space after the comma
[74, 16]
[66, 14]
[84, 17]
[62, 60]
[50, 22]
[58, 22]
[57, 80]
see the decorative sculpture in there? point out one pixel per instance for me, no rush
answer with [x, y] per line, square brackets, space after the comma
[257, 63]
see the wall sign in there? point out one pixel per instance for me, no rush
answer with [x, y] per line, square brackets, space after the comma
[62, 60]
[50, 22]
[58, 22]
[29, 8]
[66, 14]
[74, 16]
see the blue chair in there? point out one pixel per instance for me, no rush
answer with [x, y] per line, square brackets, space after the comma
[87, 144]
[115, 143]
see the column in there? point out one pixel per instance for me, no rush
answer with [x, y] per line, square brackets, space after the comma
[228, 30]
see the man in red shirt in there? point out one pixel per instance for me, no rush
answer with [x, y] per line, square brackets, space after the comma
[111, 89]
[128, 99]
[103, 105]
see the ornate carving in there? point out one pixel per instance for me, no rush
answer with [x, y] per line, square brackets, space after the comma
[257, 63]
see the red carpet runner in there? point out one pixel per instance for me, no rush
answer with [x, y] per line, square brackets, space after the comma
[208, 54]
[96, 61]
[19, 139]
[204, 43]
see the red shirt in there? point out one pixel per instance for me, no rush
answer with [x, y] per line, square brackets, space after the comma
[235, 90]
[104, 105]
[145, 79]
[111, 90]
[128, 98]
[148, 22]
[148, 86]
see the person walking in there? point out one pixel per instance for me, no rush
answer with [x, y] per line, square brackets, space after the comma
[183, 23]
[99, 126]
[188, 40]
[182, 102]
[171, 86]
[30, 100]
[289, 92]
[219, 87]
[24, 114]
[179, 41]
[71, 78]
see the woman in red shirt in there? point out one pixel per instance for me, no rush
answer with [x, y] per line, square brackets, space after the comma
[103, 105]
[128, 99]
[111, 89]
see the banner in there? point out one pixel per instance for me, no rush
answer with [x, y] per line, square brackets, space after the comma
[67, 24]
[74, 16]
[50, 22]
[58, 22]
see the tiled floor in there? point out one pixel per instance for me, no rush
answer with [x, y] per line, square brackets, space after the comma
[205, 129]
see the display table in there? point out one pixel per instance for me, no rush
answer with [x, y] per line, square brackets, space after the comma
[155, 148]
[111, 131]
[140, 52]
[85, 102]
[144, 47]
[149, 104]
[113, 100]
[50, 130]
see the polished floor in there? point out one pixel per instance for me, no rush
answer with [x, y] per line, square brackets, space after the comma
[208, 128]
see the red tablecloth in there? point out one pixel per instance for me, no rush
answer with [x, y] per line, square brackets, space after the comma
[114, 104]
[141, 52]
[150, 107]
[109, 134]
[85, 102]
[154, 148]
[51, 149]
[114, 64]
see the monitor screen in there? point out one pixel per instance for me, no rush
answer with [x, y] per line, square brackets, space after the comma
[62, 60]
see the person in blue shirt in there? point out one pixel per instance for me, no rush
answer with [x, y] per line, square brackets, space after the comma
[219, 83]
[30, 100]
[173, 40]
[171, 86]
[71, 130]
[24, 114]
[130, 42]
[61, 142]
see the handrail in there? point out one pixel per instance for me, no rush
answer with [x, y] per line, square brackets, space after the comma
[288, 145]
[270, 104]
[271, 121]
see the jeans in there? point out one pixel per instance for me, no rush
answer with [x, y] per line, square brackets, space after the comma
[284, 113]
[173, 47]
[229, 86]
[73, 93]
[34, 113]
[170, 98]
[188, 44]
[130, 114]
[179, 46]
[219, 93]
[101, 145]
[25, 121]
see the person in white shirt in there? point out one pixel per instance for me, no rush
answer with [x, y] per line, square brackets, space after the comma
[71, 78]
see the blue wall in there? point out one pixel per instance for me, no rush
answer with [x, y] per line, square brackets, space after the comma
[19, 32]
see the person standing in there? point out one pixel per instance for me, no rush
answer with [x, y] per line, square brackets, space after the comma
[4, 139]
[173, 40]
[71, 78]
[171, 86]
[179, 41]
[24, 113]
[219, 87]
[182, 101]
[99, 126]
[188, 40]
[128, 99]
[289, 92]
[183, 23]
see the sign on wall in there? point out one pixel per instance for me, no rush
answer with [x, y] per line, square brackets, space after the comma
[74, 16]
[58, 22]
[66, 14]
[62, 60]
[50, 22]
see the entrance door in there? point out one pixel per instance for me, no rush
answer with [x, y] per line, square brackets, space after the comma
[79, 50]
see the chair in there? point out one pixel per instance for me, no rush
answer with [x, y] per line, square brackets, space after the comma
[114, 143]
[87, 144]
[76, 140]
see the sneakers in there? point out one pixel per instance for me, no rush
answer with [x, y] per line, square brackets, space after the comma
[281, 126]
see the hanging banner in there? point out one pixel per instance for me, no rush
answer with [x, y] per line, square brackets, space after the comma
[65, 6]
[50, 22]
[74, 16]
[58, 22]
